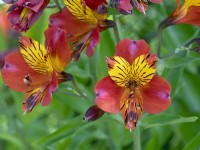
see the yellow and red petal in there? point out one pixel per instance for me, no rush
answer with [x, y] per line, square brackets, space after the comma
[143, 69]
[35, 55]
[108, 95]
[41, 94]
[156, 95]
[58, 48]
[130, 50]
[65, 20]
[19, 76]
[192, 16]
[81, 11]
[119, 70]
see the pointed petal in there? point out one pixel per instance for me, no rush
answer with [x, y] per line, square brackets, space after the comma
[16, 70]
[119, 70]
[59, 50]
[94, 40]
[108, 95]
[51, 88]
[65, 20]
[192, 16]
[130, 50]
[156, 95]
[81, 11]
[35, 55]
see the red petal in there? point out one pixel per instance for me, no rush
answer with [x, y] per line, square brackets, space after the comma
[94, 40]
[108, 95]
[156, 95]
[192, 16]
[155, 1]
[65, 20]
[94, 4]
[58, 47]
[52, 87]
[129, 49]
[15, 70]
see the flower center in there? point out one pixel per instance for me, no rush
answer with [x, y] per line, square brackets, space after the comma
[131, 77]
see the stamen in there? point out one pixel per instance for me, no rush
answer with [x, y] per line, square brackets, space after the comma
[27, 80]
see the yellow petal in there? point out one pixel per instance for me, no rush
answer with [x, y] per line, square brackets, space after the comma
[35, 55]
[142, 71]
[81, 11]
[119, 70]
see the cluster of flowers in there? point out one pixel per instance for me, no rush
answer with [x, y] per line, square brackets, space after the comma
[132, 85]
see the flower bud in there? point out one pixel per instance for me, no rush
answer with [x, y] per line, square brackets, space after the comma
[93, 113]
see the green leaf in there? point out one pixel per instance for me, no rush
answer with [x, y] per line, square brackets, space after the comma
[194, 143]
[164, 119]
[181, 58]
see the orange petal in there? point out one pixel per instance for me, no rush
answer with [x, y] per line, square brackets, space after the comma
[108, 95]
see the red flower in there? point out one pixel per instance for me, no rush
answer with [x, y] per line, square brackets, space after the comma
[188, 13]
[24, 13]
[132, 85]
[82, 20]
[125, 6]
[37, 71]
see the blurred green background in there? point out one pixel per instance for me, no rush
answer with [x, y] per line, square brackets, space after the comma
[60, 125]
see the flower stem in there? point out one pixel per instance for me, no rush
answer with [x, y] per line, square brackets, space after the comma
[57, 4]
[159, 41]
[51, 6]
[115, 29]
[78, 90]
[136, 139]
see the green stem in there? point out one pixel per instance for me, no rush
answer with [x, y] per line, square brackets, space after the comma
[136, 139]
[115, 29]
[51, 6]
[159, 41]
[78, 90]
[57, 4]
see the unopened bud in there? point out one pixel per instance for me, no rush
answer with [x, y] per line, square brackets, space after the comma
[93, 113]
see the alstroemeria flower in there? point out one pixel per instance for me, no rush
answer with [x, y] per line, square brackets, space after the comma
[125, 6]
[188, 13]
[132, 85]
[83, 20]
[36, 70]
[23, 13]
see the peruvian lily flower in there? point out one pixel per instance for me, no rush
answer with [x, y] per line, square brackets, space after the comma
[132, 85]
[83, 21]
[23, 13]
[36, 70]
[188, 13]
[125, 6]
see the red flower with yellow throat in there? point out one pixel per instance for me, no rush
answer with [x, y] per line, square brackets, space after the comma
[37, 70]
[132, 85]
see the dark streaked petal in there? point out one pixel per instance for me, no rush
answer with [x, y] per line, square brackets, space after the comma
[16, 70]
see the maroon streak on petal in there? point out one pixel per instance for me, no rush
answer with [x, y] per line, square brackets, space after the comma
[108, 95]
[130, 50]
[16, 70]
[156, 95]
